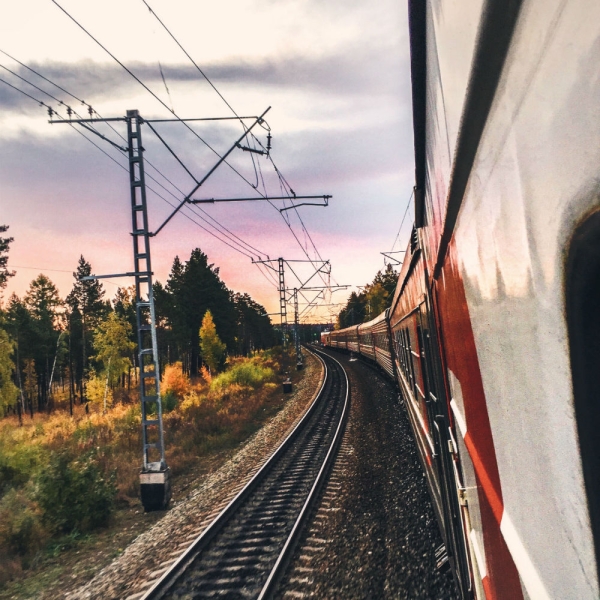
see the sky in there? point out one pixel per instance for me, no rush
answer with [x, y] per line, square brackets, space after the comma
[335, 74]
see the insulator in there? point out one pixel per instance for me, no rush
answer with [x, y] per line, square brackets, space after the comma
[69, 111]
[90, 111]
[269, 142]
[50, 112]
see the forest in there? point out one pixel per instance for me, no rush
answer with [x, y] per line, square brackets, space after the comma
[70, 422]
[72, 345]
[374, 298]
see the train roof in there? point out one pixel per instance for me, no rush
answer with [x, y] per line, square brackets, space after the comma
[374, 321]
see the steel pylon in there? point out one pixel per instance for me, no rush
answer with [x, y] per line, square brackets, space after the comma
[154, 477]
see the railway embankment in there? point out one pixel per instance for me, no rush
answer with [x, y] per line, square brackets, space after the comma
[117, 561]
[374, 533]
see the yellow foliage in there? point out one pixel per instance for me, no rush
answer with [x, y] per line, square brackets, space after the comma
[95, 390]
[206, 375]
[175, 381]
[190, 400]
[211, 345]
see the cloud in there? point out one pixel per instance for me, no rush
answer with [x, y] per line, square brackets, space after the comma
[352, 70]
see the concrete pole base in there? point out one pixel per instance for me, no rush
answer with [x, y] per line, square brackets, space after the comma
[155, 487]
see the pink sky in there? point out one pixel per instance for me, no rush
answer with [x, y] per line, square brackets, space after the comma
[336, 77]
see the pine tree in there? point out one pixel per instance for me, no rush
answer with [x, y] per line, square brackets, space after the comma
[193, 288]
[18, 323]
[4, 247]
[254, 328]
[213, 349]
[87, 309]
[42, 301]
[30, 383]
[368, 304]
[88, 296]
[8, 390]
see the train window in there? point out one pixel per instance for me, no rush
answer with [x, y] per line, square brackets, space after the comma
[404, 354]
[424, 366]
[400, 350]
[583, 321]
[409, 363]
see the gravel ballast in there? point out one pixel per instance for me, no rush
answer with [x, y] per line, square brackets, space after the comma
[374, 534]
[152, 552]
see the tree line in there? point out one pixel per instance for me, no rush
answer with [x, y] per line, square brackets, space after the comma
[372, 301]
[85, 344]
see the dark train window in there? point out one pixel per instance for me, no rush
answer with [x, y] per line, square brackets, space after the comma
[583, 321]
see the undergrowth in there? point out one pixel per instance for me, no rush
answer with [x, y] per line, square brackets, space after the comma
[61, 477]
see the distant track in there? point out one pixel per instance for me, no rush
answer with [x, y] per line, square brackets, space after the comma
[245, 550]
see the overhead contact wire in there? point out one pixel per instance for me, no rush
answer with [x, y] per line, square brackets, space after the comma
[151, 92]
[259, 253]
[252, 135]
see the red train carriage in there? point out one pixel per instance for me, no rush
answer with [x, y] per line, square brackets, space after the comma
[374, 339]
[494, 324]
[494, 314]
[351, 336]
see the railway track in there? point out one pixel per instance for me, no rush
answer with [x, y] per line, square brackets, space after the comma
[245, 550]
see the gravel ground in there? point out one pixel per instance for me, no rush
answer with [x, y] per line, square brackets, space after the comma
[374, 534]
[145, 560]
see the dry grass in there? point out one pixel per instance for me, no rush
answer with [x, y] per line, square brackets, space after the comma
[206, 417]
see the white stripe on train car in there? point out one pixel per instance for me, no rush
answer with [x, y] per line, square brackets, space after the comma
[460, 421]
[480, 562]
[529, 574]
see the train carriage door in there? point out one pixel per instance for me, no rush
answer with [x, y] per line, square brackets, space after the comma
[582, 299]
[445, 464]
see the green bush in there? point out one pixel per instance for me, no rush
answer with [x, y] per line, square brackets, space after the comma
[246, 373]
[169, 401]
[18, 465]
[21, 529]
[74, 494]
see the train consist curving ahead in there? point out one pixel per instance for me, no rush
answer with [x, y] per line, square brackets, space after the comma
[494, 331]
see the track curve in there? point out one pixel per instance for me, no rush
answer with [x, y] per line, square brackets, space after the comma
[243, 553]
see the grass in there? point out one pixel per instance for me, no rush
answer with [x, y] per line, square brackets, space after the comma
[54, 458]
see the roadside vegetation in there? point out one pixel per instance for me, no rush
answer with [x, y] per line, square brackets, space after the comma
[70, 423]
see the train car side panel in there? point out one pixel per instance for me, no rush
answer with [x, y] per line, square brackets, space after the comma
[535, 177]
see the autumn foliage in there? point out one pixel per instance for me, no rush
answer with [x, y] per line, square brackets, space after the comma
[93, 459]
[175, 381]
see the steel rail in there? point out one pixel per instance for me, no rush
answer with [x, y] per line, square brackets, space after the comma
[169, 579]
[286, 553]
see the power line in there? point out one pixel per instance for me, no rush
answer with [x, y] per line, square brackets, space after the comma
[44, 78]
[26, 94]
[150, 91]
[402, 222]
[252, 135]
[162, 103]
[33, 85]
[163, 198]
[150, 176]
[269, 280]
[191, 60]
[124, 168]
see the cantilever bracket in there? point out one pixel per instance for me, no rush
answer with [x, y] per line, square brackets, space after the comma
[325, 198]
[247, 149]
[262, 198]
[112, 275]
